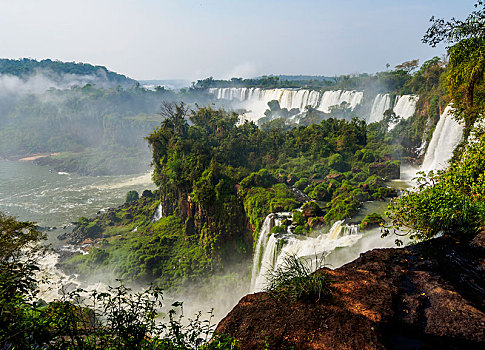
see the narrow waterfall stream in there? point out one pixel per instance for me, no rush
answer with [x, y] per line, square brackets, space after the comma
[158, 213]
[446, 136]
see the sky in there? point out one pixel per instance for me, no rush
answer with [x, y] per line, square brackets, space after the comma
[195, 39]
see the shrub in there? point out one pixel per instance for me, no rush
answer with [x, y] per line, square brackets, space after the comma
[294, 279]
[131, 196]
[360, 177]
[121, 319]
[371, 220]
[310, 209]
[147, 193]
[450, 201]
[336, 162]
[18, 288]
[298, 217]
[262, 178]
[300, 230]
[320, 192]
[278, 229]
[302, 183]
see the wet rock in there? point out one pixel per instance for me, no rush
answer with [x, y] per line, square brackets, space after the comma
[478, 243]
[409, 298]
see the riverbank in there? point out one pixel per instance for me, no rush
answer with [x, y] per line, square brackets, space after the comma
[31, 157]
[98, 161]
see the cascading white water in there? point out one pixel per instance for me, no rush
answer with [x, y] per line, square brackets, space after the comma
[267, 258]
[405, 106]
[54, 283]
[158, 213]
[336, 98]
[260, 245]
[268, 263]
[382, 103]
[446, 136]
[265, 252]
[256, 101]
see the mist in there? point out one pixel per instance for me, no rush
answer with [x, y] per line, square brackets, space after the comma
[85, 117]
[42, 81]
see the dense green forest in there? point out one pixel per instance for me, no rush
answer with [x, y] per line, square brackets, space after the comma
[217, 180]
[57, 70]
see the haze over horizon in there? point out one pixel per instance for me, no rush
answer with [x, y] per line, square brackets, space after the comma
[195, 39]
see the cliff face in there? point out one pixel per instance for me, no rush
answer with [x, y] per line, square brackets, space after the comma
[427, 296]
[225, 232]
[185, 244]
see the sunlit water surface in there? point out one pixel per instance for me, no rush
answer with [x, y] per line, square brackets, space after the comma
[55, 199]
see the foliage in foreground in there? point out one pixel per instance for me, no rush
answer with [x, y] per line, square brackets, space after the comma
[120, 319]
[17, 282]
[294, 279]
[451, 201]
[117, 319]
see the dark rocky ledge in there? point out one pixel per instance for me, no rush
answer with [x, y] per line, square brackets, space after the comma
[427, 296]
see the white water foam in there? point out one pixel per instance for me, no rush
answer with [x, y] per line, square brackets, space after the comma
[274, 254]
[446, 136]
[255, 100]
[382, 103]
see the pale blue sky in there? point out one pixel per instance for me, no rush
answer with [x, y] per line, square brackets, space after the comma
[191, 39]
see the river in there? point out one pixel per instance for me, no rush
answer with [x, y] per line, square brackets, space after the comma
[55, 199]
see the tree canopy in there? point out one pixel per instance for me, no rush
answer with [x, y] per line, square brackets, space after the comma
[465, 74]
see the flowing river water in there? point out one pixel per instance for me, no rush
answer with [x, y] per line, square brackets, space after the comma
[55, 199]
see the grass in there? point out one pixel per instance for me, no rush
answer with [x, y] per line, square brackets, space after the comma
[295, 279]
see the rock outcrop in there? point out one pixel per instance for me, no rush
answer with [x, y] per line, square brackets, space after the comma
[426, 296]
[388, 170]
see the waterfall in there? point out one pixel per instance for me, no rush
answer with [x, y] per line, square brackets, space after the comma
[271, 250]
[268, 263]
[260, 247]
[405, 106]
[335, 98]
[382, 103]
[255, 100]
[158, 213]
[446, 136]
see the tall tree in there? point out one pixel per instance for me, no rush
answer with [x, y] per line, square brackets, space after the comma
[465, 75]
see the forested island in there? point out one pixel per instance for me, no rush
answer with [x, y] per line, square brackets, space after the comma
[225, 183]
[93, 120]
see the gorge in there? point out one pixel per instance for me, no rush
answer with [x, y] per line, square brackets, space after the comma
[298, 212]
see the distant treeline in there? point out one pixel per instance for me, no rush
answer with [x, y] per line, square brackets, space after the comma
[267, 82]
[26, 67]
[100, 130]
[398, 81]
